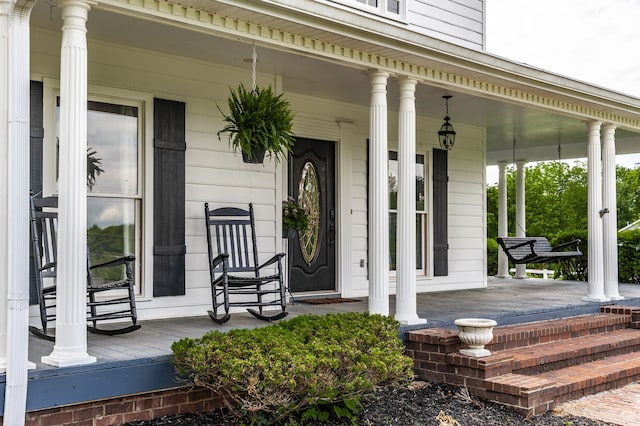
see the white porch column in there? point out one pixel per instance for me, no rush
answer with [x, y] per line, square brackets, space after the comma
[610, 226]
[521, 226]
[406, 302]
[71, 323]
[594, 207]
[5, 9]
[503, 219]
[379, 193]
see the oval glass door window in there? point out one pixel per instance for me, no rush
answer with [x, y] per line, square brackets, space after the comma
[309, 197]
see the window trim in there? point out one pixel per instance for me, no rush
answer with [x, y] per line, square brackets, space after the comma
[427, 226]
[379, 10]
[144, 102]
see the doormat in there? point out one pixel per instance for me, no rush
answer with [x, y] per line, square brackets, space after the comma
[327, 301]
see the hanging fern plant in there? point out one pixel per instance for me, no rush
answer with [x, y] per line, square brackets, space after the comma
[258, 121]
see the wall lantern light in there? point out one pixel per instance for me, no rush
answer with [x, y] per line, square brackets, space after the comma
[446, 134]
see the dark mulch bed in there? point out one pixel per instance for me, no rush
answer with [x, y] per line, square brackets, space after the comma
[427, 405]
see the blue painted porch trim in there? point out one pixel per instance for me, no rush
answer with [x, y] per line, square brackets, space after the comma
[55, 387]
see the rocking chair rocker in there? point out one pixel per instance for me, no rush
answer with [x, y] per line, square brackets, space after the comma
[107, 299]
[235, 242]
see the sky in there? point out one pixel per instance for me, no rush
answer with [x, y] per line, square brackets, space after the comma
[595, 41]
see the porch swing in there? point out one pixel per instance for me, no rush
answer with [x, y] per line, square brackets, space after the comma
[524, 250]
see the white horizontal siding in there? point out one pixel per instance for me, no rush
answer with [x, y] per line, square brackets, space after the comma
[467, 220]
[456, 21]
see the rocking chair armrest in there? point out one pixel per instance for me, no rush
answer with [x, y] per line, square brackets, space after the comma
[48, 266]
[274, 259]
[125, 260]
[218, 260]
[568, 243]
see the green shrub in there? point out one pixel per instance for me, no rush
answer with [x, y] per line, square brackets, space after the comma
[492, 257]
[575, 268]
[629, 256]
[308, 366]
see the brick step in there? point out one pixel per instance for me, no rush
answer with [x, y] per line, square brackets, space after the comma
[538, 394]
[593, 377]
[536, 365]
[534, 333]
[579, 350]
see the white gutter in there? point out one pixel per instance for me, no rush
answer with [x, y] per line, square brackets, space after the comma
[5, 9]
[17, 218]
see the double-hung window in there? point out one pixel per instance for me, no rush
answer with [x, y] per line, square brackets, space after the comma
[421, 211]
[114, 180]
[114, 198]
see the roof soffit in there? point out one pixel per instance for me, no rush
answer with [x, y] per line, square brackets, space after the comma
[336, 35]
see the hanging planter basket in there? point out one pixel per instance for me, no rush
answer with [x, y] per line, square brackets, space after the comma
[259, 124]
[255, 156]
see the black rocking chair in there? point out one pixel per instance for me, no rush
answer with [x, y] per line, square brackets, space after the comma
[235, 242]
[107, 299]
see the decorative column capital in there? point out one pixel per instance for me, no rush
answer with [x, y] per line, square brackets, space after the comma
[609, 129]
[75, 14]
[408, 95]
[407, 83]
[378, 77]
[593, 126]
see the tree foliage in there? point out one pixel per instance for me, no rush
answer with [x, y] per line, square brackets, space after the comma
[556, 208]
[556, 198]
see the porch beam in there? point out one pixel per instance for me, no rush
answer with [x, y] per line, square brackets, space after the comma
[71, 315]
[406, 302]
[379, 196]
[594, 208]
[610, 218]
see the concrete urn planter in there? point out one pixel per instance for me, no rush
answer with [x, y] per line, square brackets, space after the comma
[475, 333]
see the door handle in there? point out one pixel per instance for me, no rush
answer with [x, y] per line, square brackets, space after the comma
[332, 228]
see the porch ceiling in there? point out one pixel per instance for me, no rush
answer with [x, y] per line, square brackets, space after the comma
[537, 132]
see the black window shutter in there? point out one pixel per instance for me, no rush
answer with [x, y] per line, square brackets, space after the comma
[440, 224]
[36, 133]
[169, 198]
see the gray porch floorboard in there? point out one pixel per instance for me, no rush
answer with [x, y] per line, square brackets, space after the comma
[508, 301]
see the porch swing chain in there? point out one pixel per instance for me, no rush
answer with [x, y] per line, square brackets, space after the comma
[561, 186]
[519, 225]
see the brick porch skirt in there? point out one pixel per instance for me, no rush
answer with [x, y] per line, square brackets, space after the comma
[118, 411]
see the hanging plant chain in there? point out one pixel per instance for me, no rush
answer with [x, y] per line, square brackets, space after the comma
[254, 60]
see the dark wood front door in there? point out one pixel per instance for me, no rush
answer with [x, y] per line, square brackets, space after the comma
[311, 181]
